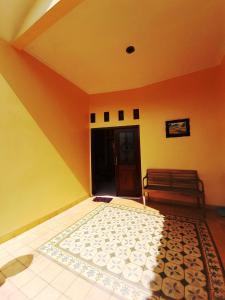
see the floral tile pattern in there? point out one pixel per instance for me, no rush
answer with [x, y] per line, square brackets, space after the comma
[139, 254]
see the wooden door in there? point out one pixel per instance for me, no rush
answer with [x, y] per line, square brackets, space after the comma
[127, 161]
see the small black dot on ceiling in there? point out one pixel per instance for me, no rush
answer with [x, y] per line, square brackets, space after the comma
[130, 49]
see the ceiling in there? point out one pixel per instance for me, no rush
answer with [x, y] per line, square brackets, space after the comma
[12, 14]
[172, 38]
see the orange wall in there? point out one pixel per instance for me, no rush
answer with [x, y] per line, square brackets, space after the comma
[222, 114]
[44, 141]
[194, 96]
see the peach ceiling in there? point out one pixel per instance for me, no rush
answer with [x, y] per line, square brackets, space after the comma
[172, 38]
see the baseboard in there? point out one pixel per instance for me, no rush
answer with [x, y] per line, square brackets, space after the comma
[213, 206]
[26, 227]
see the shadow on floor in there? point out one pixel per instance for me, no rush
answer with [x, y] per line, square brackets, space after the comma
[14, 267]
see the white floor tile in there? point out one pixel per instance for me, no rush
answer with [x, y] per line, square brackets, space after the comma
[24, 250]
[22, 278]
[64, 280]
[3, 253]
[39, 264]
[48, 293]
[4, 259]
[97, 293]
[63, 297]
[7, 289]
[2, 297]
[50, 272]
[78, 290]
[37, 243]
[14, 242]
[113, 297]
[34, 287]
[18, 295]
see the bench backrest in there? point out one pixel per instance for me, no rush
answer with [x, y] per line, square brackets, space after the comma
[187, 179]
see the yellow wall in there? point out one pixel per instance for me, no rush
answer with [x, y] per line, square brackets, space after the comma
[194, 96]
[38, 174]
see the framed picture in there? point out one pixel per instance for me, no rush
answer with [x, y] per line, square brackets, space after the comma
[177, 128]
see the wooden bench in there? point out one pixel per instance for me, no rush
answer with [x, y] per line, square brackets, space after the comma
[185, 182]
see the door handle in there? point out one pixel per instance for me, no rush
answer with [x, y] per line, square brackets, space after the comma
[115, 160]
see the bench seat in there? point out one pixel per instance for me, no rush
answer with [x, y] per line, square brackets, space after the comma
[172, 189]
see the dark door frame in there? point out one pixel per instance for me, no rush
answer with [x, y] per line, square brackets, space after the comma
[139, 150]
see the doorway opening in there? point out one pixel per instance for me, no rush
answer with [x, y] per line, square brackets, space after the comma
[103, 165]
[115, 158]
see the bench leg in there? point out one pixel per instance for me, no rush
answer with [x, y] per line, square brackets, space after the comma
[203, 205]
[144, 197]
[144, 200]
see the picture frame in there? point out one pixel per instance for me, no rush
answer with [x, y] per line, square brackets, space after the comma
[178, 128]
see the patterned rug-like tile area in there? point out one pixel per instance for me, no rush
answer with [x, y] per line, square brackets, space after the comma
[140, 254]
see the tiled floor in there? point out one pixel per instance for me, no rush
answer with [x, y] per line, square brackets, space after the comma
[45, 279]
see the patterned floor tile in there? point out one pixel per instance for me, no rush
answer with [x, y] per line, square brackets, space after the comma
[138, 254]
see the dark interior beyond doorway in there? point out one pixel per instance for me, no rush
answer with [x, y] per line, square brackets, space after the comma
[103, 168]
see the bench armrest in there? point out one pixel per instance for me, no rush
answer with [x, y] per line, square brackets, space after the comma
[201, 185]
[144, 178]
